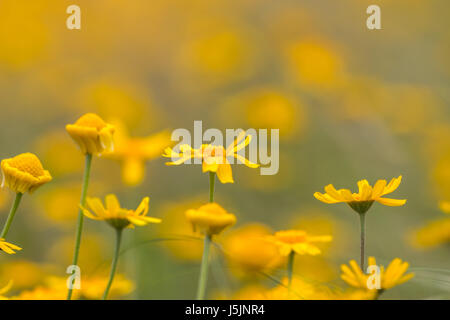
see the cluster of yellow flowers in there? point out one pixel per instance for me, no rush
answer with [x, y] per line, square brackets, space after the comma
[255, 249]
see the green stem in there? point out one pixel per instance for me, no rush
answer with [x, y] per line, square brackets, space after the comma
[87, 173]
[362, 217]
[212, 180]
[11, 215]
[114, 263]
[290, 268]
[204, 269]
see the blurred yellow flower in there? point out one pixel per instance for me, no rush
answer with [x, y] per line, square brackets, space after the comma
[5, 289]
[24, 273]
[8, 247]
[51, 146]
[24, 173]
[42, 293]
[214, 158]
[134, 152]
[362, 201]
[92, 134]
[312, 62]
[176, 225]
[4, 198]
[393, 276]
[116, 216]
[210, 218]
[248, 253]
[436, 232]
[92, 287]
[297, 241]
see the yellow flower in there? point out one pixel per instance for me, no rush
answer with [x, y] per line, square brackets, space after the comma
[210, 218]
[214, 158]
[116, 216]
[92, 134]
[24, 273]
[435, 232]
[362, 201]
[298, 241]
[393, 276]
[134, 152]
[248, 252]
[42, 293]
[8, 247]
[24, 173]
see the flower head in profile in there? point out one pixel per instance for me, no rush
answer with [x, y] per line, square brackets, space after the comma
[394, 275]
[92, 134]
[133, 152]
[116, 216]
[24, 173]
[210, 218]
[214, 158]
[297, 241]
[8, 247]
[367, 195]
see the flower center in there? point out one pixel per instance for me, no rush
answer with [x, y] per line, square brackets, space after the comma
[29, 163]
[92, 121]
[291, 236]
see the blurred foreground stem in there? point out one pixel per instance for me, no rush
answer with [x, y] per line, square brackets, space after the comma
[290, 268]
[114, 263]
[11, 215]
[87, 173]
[204, 269]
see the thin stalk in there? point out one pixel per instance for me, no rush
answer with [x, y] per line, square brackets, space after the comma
[87, 173]
[114, 263]
[290, 268]
[11, 215]
[212, 180]
[204, 269]
[362, 219]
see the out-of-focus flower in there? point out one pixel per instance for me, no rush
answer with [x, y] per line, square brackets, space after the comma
[214, 158]
[24, 173]
[118, 99]
[298, 241]
[4, 197]
[247, 251]
[91, 257]
[92, 287]
[24, 273]
[56, 150]
[8, 247]
[218, 53]
[5, 289]
[116, 216]
[42, 293]
[394, 275]
[436, 232]
[134, 152]
[362, 201]
[314, 63]
[210, 218]
[92, 134]
[176, 225]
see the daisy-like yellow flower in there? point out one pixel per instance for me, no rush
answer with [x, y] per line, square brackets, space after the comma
[363, 200]
[297, 241]
[8, 247]
[133, 152]
[210, 218]
[394, 275]
[116, 216]
[214, 158]
[435, 232]
[92, 134]
[24, 173]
